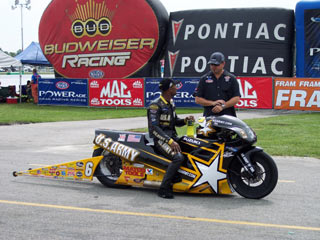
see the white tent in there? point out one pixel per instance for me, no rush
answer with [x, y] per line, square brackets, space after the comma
[8, 61]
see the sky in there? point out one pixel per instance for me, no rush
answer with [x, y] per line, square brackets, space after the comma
[11, 37]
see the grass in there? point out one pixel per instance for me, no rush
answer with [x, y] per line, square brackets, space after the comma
[31, 113]
[286, 135]
[289, 135]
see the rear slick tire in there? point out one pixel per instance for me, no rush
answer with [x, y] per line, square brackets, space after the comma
[109, 169]
[259, 186]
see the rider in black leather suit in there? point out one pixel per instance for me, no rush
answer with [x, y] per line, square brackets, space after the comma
[162, 120]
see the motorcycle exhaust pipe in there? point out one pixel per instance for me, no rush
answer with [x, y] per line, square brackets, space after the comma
[152, 184]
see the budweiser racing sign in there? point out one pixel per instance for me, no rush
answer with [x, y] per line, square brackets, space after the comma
[102, 38]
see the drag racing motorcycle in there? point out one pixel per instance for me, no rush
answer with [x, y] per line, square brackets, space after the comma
[219, 159]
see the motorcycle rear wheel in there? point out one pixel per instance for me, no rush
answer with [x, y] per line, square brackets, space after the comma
[109, 169]
[259, 185]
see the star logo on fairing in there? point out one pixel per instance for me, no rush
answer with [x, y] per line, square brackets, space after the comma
[210, 174]
[207, 129]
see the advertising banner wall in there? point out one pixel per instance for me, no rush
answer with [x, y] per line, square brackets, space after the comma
[71, 92]
[297, 94]
[116, 92]
[184, 96]
[256, 92]
[308, 39]
[255, 41]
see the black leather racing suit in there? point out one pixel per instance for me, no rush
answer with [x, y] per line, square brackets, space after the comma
[162, 120]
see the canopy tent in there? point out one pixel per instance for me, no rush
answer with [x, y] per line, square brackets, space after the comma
[8, 61]
[33, 55]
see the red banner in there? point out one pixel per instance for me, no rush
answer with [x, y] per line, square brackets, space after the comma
[297, 94]
[116, 92]
[256, 92]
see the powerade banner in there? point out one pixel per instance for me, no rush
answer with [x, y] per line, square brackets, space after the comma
[308, 39]
[104, 38]
[71, 92]
[184, 96]
[256, 92]
[116, 92]
[255, 41]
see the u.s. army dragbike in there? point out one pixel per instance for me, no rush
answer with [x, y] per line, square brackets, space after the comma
[219, 159]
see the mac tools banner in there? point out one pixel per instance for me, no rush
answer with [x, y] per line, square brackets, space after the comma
[255, 41]
[104, 38]
[116, 92]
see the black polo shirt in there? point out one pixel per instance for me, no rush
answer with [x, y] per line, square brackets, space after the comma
[211, 88]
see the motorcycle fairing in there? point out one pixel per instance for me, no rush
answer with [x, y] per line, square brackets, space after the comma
[81, 170]
[211, 176]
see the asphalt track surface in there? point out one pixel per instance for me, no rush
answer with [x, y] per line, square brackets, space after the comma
[38, 208]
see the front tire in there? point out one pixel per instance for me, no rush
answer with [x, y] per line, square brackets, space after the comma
[109, 169]
[259, 185]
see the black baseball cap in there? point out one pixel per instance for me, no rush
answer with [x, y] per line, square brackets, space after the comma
[216, 58]
[167, 83]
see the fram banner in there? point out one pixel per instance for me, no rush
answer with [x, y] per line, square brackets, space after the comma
[256, 92]
[72, 92]
[297, 94]
[116, 92]
[184, 96]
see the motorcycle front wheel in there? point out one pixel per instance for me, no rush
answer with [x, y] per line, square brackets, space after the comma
[109, 169]
[261, 183]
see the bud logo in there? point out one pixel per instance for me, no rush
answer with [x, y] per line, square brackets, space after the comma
[101, 38]
[87, 22]
[112, 90]
[91, 27]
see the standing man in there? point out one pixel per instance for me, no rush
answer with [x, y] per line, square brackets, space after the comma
[34, 86]
[162, 120]
[218, 90]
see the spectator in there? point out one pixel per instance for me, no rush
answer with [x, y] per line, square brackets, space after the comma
[35, 80]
